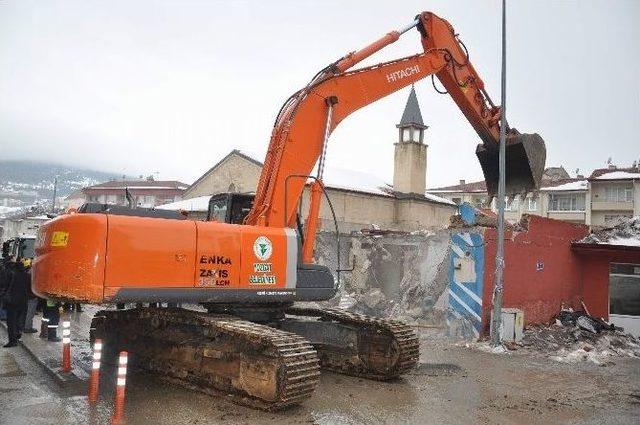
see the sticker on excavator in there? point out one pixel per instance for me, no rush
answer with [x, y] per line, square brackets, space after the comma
[262, 280]
[263, 248]
[262, 267]
[59, 238]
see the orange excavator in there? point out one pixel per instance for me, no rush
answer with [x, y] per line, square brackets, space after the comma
[243, 269]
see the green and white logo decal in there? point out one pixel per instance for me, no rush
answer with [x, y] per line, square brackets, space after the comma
[263, 248]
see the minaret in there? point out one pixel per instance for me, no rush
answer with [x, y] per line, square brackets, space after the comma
[410, 159]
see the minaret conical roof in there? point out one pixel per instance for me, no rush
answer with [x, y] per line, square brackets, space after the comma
[412, 114]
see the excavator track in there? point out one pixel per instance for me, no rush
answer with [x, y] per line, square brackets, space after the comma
[251, 364]
[361, 346]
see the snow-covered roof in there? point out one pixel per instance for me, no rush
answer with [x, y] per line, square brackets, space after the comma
[38, 217]
[198, 204]
[618, 175]
[624, 241]
[5, 210]
[340, 178]
[440, 199]
[334, 178]
[625, 233]
[571, 186]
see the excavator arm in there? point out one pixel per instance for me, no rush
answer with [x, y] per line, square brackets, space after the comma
[308, 117]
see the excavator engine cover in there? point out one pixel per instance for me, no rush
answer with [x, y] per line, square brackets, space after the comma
[525, 158]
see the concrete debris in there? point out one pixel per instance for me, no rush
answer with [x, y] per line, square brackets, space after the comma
[587, 324]
[375, 300]
[571, 344]
[575, 337]
[626, 232]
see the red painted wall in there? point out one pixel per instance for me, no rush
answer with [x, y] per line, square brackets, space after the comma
[595, 277]
[540, 293]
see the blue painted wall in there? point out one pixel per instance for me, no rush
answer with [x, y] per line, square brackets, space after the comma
[466, 277]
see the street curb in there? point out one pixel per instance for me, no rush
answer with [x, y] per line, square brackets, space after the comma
[63, 379]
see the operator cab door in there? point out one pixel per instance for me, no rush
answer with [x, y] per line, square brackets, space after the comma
[230, 208]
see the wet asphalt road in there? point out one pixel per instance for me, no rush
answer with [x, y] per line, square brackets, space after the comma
[452, 385]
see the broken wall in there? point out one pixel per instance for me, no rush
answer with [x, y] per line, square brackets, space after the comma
[394, 274]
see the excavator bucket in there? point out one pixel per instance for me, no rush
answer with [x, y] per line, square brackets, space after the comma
[525, 159]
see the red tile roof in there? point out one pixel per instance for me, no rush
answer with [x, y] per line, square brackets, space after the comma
[467, 187]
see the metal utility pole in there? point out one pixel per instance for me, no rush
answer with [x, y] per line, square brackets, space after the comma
[496, 320]
[55, 190]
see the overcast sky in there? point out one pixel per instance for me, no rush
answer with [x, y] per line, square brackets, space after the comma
[138, 87]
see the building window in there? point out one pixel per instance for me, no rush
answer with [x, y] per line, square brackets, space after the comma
[624, 289]
[618, 194]
[533, 204]
[112, 199]
[511, 205]
[566, 202]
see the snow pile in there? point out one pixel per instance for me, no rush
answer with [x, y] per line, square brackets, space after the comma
[627, 233]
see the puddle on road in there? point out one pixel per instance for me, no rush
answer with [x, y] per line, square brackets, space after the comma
[437, 369]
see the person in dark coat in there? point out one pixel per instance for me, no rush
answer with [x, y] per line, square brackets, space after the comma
[5, 274]
[16, 297]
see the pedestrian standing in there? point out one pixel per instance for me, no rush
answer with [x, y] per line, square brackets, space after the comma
[15, 299]
[5, 274]
[32, 303]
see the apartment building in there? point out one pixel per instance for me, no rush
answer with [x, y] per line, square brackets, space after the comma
[614, 194]
[146, 193]
[606, 196]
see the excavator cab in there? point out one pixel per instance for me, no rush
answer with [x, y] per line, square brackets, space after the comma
[525, 156]
[230, 207]
[19, 247]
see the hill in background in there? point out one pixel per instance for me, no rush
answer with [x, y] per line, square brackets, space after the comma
[25, 183]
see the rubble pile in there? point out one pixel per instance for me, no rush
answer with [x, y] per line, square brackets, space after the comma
[626, 232]
[577, 337]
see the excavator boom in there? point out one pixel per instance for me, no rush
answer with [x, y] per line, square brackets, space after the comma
[300, 130]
